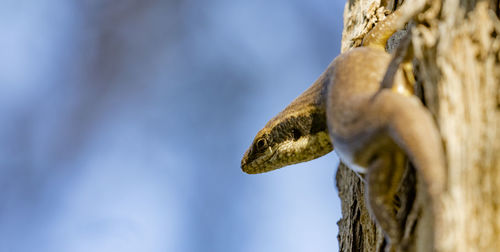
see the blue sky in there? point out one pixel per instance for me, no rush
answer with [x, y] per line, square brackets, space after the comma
[123, 125]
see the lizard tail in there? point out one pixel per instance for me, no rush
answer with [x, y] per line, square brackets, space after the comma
[412, 127]
[379, 35]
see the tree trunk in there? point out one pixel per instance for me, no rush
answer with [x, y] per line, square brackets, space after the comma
[457, 59]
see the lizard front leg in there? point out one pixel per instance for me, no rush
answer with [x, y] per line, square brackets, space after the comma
[384, 176]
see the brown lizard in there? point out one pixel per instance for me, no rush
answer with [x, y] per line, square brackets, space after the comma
[364, 106]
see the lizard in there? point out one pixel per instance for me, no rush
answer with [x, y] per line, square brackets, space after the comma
[362, 105]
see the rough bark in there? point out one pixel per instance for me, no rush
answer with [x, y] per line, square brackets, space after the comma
[457, 58]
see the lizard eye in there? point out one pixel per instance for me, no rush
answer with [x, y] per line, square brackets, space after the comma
[261, 144]
[296, 134]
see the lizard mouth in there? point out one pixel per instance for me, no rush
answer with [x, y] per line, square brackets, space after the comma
[255, 166]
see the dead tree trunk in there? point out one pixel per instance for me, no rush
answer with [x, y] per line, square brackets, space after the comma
[457, 58]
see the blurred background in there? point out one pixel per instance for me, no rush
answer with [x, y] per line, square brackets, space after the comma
[123, 124]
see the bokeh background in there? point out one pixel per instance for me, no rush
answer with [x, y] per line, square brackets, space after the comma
[122, 125]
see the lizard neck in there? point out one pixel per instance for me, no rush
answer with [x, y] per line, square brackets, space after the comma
[311, 103]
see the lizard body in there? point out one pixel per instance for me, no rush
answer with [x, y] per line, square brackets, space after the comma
[373, 125]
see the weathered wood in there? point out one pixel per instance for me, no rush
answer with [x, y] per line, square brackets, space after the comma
[458, 56]
[457, 51]
[357, 230]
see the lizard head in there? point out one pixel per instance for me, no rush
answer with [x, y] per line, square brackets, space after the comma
[289, 138]
[297, 134]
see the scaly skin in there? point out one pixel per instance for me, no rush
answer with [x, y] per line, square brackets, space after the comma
[374, 125]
